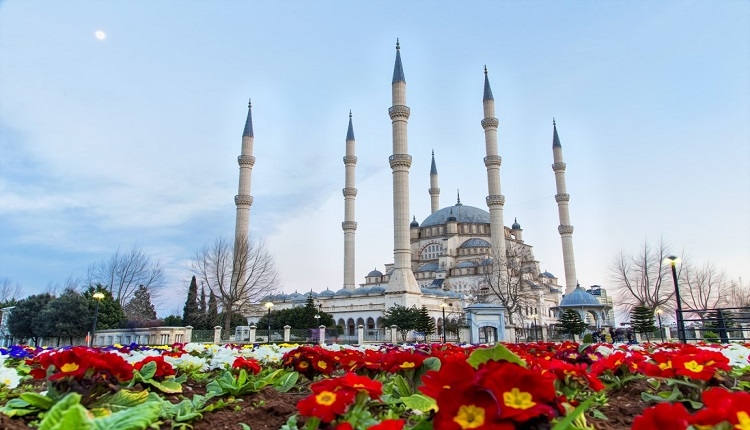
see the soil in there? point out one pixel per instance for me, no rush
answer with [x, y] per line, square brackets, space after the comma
[270, 409]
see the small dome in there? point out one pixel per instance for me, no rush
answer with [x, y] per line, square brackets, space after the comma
[361, 290]
[516, 225]
[375, 272]
[579, 297]
[281, 297]
[377, 289]
[475, 242]
[414, 223]
[296, 295]
[466, 264]
[460, 213]
[326, 293]
[547, 275]
[343, 292]
[429, 267]
[312, 294]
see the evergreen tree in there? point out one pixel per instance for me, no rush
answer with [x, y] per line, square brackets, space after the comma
[571, 322]
[402, 317]
[299, 317]
[213, 311]
[424, 322]
[110, 313]
[21, 320]
[139, 310]
[65, 317]
[173, 321]
[191, 310]
[642, 320]
[203, 311]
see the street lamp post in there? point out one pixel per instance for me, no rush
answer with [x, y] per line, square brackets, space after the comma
[661, 330]
[443, 305]
[536, 337]
[680, 323]
[269, 305]
[98, 296]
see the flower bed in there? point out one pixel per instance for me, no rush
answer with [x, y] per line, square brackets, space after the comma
[420, 387]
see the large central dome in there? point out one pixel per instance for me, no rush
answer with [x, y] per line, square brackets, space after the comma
[462, 214]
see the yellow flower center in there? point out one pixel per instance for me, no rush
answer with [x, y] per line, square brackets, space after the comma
[667, 365]
[744, 421]
[408, 365]
[518, 399]
[322, 364]
[693, 366]
[69, 367]
[326, 398]
[303, 365]
[470, 417]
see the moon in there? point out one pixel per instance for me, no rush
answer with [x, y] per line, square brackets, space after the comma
[100, 35]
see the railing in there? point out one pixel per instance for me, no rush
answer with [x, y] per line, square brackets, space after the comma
[719, 324]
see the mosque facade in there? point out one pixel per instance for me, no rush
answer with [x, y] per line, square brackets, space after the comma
[443, 262]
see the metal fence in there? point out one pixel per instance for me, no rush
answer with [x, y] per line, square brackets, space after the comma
[715, 325]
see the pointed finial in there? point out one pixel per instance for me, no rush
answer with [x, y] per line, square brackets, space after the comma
[398, 46]
[433, 166]
[350, 129]
[485, 70]
[553, 122]
[458, 197]
[249, 103]
[350, 113]
[487, 90]
[248, 131]
[555, 137]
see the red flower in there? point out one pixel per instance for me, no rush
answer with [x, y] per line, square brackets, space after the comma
[663, 416]
[388, 425]
[467, 407]
[522, 393]
[452, 372]
[325, 404]
[402, 360]
[250, 365]
[722, 405]
[163, 369]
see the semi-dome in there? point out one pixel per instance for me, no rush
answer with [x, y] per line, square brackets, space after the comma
[578, 298]
[462, 214]
[429, 267]
[475, 242]
[377, 289]
[433, 291]
[466, 264]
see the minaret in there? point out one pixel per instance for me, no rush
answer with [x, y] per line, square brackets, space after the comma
[402, 278]
[492, 161]
[562, 198]
[243, 200]
[434, 190]
[349, 225]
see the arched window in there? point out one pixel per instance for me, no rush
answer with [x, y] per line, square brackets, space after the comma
[350, 327]
[370, 324]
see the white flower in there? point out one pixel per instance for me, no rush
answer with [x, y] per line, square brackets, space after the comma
[9, 378]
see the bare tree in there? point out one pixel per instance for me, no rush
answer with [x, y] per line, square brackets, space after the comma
[71, 283]
[702, 287]
[644, 279]
[508, 281]
[123, 272]
[237, 275]
[737, 295]
[10, 292]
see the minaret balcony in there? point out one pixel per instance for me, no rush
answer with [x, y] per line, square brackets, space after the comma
[246, 160]
[493, 160]
[400, 160]
[399, 111]
[490, 123]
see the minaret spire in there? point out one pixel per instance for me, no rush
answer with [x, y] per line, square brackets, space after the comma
[402, 278]
[350, 193]
[495, 199]
[243, 200]
[562, 198]
[434, 189]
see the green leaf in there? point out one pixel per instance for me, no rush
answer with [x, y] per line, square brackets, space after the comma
[37, 400]
[148, 370]
[496, 353]
[123, 399]
[420, 402]
[137, 418]
[431, 363]
[566, 422]
[286, 382]
[169, 385]
[57, 414]
[400, 387]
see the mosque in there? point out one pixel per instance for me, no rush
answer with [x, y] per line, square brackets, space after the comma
[449, 260]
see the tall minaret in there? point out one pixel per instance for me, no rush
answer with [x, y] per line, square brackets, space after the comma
[492, 161]
[402, 278]
[349, 225]
[562, 198]
[434, 190]
[243, 200]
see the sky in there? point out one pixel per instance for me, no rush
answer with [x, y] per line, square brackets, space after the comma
[131, 140]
